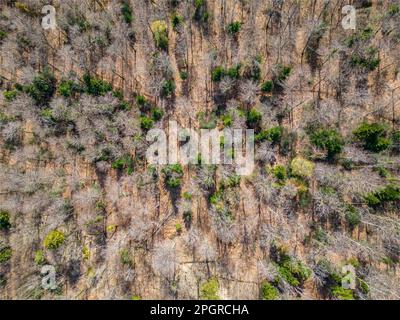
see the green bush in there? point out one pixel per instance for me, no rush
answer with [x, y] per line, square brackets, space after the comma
[42, 88]
[231, 181]
[207, 121]
[118, 94]
[233, 72]
[4, 220]
[234, 27]
[373, 136]
[227, 120]
[178, 228]
[268, 291]
[267, 86]
[302, 168]
[372, 200]
[123, 105]
[320, 235]
[209, 290]
[273, 135]
[47, 114]
[168, 88]
[200, 13]
[173, 182]
[39, 257]
[187, 195]
[216, 198]
[96, 87]
[218, 73]
[68, 88]
[279, 172]
[352, 216]
[3, 34]
[394, 9]
[5, 254]
[328, 140]
[146, 123]
[378, 198]
[127, 12]
[10, 95]
[156, 114]
[363, 286]
[283, 71]
[187, 216]
[370, 63]
[125, 257]
[198, 3]
[173, 175]
[160, 32]
[141, 100]
[294, 272]
[54, 239]
[253, 118]
[125, 162]
[342, 294]
[184, 74]
[383, 172]
[86, 251]
[176, 20]
[396, 141]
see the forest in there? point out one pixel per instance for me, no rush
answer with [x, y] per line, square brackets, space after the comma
[317, 219]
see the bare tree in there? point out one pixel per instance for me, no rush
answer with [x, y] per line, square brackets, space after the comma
[165, 259]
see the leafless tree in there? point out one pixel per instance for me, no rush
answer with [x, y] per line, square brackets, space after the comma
[165, 259]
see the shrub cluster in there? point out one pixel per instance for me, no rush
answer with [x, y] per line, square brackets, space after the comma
[219, 72]
[149, 113]
[268, 291]
[126, 11]
[201, 14]
[352, 216]
[4, 220]
[176, 20]
[42, 88]
[54, 239]
[302, 168]
[280, 75]
[373, 136]
[328, 140]
[39, 257]
[273, 135]
[95, 86]
[209, 289]
[253, 118]
[234, 27]
[367, 61]
[173, 175]
[5, 254]
[293, 271]
[126, 163]
[378, 198]
[160, 32]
